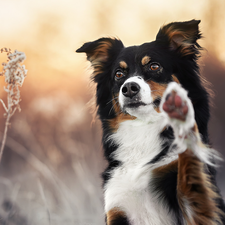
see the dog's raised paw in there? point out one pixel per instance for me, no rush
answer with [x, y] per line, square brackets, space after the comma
[178, 109]
[175, 106]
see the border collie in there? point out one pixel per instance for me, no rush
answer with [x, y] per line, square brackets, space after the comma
[154, 110]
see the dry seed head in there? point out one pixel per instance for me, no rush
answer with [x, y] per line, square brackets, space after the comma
[14, 77]
[8, 50]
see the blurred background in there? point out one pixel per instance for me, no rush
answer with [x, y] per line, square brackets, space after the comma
[51, 166]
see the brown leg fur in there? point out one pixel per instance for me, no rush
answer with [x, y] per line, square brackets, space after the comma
[116, 216]
[195, 193]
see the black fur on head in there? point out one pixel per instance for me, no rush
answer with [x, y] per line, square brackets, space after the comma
[102, 54]
[175, 49]
[182, 37]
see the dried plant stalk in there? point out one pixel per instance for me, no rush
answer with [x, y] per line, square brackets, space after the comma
[14, 77]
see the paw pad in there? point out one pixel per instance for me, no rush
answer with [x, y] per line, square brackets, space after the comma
[175, 107]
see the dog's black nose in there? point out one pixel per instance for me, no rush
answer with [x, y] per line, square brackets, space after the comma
[130, 89]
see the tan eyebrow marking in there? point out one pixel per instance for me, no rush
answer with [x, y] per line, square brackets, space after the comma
[123, 65]
[145, 60]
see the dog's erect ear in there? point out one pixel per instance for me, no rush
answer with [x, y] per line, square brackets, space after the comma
[99, 52]
[182, 36]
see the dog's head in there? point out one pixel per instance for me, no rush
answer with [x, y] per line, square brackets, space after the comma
[131, 80]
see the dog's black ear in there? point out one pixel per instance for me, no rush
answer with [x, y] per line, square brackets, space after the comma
[181, 36]
[99, 52]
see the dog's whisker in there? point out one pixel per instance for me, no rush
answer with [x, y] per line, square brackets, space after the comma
[113, 106]
[112, 100]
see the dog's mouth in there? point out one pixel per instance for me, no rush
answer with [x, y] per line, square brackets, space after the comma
[137, 104]
[134, 104]
[135, 98]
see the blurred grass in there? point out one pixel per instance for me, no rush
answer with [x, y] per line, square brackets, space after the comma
[52, 163]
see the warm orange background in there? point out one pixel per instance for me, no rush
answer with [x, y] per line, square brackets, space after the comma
[52, 160]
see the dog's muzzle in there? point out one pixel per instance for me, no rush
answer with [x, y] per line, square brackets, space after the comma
[135, 92]
[130, 89]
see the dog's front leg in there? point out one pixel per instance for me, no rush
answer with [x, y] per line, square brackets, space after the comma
[195, 192]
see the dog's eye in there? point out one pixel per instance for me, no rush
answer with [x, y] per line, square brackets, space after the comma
[119, 74]
[154, 66]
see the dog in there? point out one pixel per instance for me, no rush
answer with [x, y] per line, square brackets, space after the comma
[154, 111]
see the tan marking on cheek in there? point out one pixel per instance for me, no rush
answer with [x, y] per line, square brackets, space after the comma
[157, 91]
[175, 79]
[123, 65]
[116, 105]
[120, 116]
[114, 214]
[157, 109]
[145, 60]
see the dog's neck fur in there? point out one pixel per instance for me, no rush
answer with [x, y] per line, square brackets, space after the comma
[139, 142]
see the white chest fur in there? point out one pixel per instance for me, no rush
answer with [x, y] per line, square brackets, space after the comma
[128, 187]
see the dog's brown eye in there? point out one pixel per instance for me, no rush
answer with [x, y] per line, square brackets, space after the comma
[119, 74]
[154, 66]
